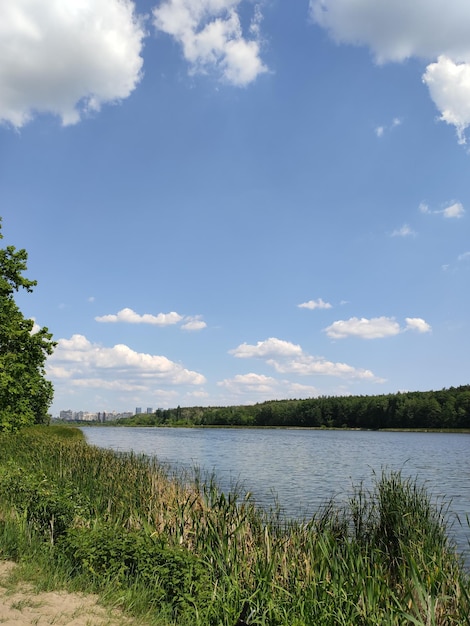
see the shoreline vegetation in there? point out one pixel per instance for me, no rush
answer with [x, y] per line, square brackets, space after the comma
[445, 410]
[171, 549]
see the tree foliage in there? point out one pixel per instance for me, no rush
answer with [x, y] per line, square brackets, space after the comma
[444, 409]
[25, 394]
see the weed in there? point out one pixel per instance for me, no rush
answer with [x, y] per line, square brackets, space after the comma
[173, 549]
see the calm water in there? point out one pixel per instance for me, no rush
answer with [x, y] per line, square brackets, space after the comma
[305, 468]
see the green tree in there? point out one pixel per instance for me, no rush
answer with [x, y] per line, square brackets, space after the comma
[25, 394]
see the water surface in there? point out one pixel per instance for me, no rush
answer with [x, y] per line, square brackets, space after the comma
[301, 468]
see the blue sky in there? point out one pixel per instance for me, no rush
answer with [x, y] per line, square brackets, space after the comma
[226, 202]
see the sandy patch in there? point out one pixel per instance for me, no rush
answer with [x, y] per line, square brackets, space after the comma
[20, 605]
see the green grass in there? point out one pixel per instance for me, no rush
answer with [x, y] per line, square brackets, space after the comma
[172, 549]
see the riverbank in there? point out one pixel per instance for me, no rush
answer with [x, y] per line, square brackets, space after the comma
[131, 424]
[170, 549]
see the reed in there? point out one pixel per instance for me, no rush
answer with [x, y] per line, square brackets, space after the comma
[174, 549]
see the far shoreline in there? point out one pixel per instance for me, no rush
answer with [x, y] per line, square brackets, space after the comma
[119, 424]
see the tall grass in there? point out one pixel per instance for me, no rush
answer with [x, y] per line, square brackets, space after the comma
[175, 549]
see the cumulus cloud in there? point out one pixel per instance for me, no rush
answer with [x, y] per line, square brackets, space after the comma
[85, 364]
[128, 316]
[374, 328]
[395, 31]
[365, 328]
[404, 231]
[199, 394]
[252, 382]
[66, 58]
[398, 30]
[308, 365]
[417, 324]
[452, 211]
[258, 387]
[465, 256]
[267, 348]
[315, 304]
[449, 85]
[193, 323]
[211, 36]
[289, 358]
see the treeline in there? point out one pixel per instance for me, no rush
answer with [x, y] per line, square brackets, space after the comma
[446, 409]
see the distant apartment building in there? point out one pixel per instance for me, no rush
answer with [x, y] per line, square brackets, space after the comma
[138, 410]
[120, 416]
[149, 410]
[78, 416]
[86, 416]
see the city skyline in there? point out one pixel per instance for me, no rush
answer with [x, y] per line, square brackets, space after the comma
[80, 414]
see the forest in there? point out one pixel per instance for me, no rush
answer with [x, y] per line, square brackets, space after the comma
[445, 409]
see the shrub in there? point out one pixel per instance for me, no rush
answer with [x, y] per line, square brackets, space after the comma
[49, 508]
[122, 557]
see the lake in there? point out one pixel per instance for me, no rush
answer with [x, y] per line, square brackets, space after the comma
[301, 469]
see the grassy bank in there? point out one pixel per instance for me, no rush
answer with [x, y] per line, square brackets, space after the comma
[174, 550]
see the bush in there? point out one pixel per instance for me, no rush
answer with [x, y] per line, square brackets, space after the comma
[122, 557]
[48, 508]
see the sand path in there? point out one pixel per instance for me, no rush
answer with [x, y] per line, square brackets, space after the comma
[20, 605]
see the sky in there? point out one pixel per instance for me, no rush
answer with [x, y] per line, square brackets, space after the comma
[230, 201]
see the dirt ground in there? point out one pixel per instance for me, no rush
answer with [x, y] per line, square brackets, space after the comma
[20, 605]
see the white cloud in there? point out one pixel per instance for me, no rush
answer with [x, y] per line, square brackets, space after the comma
[200, 394]
[315, 304]
[452, 211]
[374, 328]
[241, 383]
[307, 365]
[417, 324]
[211, 36]
[365, 328]
[129, 316]
[449, 85]
[193, 323]
[380, 130]
[400, 29]
[404, 231]
[289, 358]
[464, 257]
[258, 387]
[81, 363]
[394, 31]
[267, 348]
[301, 391]
[66, 58]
